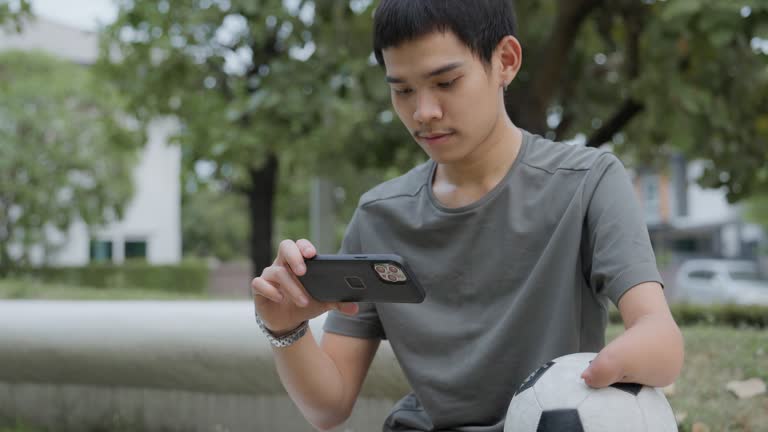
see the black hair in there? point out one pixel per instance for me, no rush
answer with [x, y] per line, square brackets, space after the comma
[480, 24]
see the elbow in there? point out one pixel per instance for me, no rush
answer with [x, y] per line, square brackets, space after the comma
[678, 354]
[324, 427]
[675, 358]
[328, 424]
[329, 421]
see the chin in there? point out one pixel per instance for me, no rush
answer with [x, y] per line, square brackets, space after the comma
[449, 156]
[446, 158]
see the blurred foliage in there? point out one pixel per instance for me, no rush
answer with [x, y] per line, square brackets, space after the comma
[13, 13]
[66, 152]
[250, 81]
[654, 78]
[214, 224]
[33, 289]
[731, 315]
[295, 80]
[757, 210]
[190, 276]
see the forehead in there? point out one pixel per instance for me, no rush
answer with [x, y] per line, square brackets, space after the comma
[420, 56]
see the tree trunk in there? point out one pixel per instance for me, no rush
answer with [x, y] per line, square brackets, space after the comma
[260, 202]
[524, 111]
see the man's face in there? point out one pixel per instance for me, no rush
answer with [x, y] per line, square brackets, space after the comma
[443, 94]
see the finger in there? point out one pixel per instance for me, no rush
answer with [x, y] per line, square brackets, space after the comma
[306, 247]
[287, 284]
[291, 255]
[263, 288]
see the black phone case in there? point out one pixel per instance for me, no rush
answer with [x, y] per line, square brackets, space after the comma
[352, 278]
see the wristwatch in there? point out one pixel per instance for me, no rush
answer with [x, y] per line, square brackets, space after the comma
[284, 340]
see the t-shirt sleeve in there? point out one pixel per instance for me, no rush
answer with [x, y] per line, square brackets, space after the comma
[617, 252]
[365, 324]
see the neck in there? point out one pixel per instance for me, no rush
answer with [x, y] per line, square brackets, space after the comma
[489, 162]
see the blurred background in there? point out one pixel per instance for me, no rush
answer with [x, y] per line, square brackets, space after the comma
[154, 153]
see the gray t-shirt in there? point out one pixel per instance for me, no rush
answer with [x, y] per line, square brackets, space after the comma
[513, 280]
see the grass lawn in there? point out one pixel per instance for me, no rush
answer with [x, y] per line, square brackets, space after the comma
[30, 289]
[715, 356]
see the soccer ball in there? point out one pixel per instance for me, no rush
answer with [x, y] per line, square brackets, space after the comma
[555, 398]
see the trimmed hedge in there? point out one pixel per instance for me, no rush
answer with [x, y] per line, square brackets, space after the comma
[727, 315]
[190, 276]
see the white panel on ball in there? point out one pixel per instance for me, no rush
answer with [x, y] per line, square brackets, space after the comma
[583, 358]
[608, 408]
[523, 413]
[656, 411]
[561, 387]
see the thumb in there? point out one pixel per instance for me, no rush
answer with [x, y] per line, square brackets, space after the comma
[347, 308]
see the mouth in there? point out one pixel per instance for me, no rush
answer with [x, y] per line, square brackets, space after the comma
[434, 139]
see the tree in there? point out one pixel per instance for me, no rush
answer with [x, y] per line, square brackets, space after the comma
[257, 86]
[215, 224]
[757, 210]
[65, 152]
[13, 13]
[652, 77]
[290, 84]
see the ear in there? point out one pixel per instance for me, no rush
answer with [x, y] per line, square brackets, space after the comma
[509, 56]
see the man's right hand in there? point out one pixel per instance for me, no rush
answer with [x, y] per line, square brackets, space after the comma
[280, 299]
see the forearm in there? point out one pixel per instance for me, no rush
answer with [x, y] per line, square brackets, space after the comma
[650, 352]
[313, 382]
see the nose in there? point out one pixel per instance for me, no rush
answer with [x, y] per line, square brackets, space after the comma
[427, 108]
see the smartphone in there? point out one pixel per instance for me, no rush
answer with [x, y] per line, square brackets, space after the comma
[378, 278]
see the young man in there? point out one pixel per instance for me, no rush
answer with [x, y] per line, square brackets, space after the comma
[518, 241]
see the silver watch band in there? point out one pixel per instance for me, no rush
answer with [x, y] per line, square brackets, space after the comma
[285, 340]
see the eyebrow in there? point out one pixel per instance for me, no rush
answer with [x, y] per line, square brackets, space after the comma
[439, 71]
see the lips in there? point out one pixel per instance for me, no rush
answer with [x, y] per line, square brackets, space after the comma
[434, 136]
[435, 139]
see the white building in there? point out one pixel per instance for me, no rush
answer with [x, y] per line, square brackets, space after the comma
[151, 228]
[687, 220]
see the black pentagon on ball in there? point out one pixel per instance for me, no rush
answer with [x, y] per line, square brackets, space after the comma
[630, 388]
[532, 378]
[561, 420]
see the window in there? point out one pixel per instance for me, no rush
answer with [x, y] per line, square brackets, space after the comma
[746, 275]
[136, 249]
[689, 245]
[702, 274]
[651, 201]
[100, 251]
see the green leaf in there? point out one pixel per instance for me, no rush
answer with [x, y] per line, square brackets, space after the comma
[677, 9]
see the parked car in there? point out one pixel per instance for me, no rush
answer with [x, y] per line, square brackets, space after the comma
[709, 281]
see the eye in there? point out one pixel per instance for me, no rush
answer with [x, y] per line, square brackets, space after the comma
[403, 91]
[447, 84]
